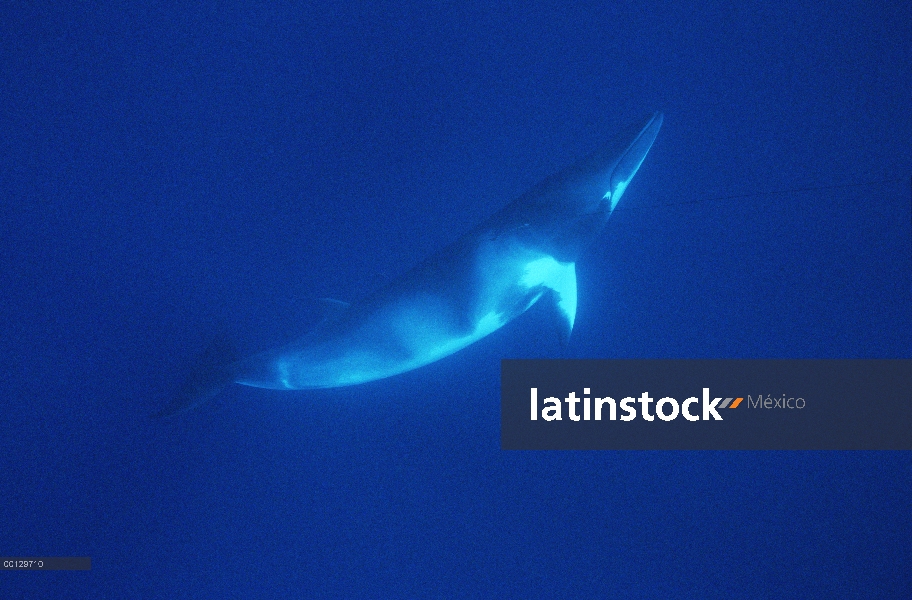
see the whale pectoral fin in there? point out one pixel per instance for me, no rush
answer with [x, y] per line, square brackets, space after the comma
[560, 279]
[562, 285]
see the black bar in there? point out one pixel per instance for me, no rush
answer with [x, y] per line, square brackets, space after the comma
[785, 404]
[45, 563]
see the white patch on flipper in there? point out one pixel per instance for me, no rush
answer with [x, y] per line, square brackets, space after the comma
[557, 276]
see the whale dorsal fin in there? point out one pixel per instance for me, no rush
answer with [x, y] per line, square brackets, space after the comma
[333, 306]
[332, 310]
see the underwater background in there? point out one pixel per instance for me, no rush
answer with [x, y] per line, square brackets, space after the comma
[171, 172]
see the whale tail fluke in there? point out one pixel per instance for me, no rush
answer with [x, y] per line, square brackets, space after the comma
[212, 370]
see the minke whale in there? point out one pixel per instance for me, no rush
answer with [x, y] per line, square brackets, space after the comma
[523, 254]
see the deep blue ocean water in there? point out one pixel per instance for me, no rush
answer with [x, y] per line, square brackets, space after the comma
[170, 172]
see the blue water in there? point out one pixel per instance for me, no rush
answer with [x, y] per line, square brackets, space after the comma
[174, 172]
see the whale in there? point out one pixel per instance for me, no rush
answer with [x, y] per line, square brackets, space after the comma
[524, 254]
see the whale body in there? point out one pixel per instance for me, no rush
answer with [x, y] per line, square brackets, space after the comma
[523, 254]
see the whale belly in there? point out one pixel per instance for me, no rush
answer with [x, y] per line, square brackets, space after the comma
[409, 330]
